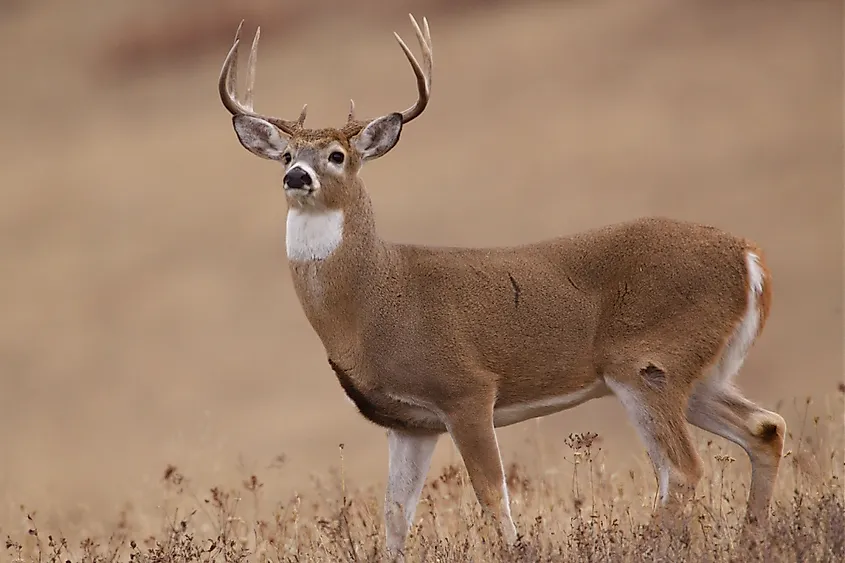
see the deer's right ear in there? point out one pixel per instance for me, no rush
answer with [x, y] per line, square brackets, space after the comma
[259, 137]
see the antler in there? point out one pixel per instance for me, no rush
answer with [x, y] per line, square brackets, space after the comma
[228, 83]
[423, 76]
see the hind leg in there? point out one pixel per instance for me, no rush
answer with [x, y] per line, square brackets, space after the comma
[658, 413]
[724, 412]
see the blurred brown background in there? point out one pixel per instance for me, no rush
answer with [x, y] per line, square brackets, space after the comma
[147, 312]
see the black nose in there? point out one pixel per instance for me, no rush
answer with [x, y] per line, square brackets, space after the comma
[297, 178]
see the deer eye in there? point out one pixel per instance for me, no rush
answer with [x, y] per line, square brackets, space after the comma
[336, 157]
[287, 158]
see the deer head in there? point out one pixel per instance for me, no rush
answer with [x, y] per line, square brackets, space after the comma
[321, 165]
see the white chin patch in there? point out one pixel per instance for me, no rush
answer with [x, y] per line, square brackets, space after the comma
[313, 234]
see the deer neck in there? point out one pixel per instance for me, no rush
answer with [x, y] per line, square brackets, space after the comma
[336, 260]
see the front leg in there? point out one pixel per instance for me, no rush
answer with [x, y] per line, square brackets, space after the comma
[409, 460]
[472, 429]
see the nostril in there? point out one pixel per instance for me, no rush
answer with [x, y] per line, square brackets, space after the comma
[297, 177]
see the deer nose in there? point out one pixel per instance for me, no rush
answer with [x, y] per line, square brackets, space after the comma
[297, 178]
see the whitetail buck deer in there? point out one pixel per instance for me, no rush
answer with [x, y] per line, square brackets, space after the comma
[657, 312]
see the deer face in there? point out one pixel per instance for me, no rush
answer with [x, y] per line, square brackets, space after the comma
[320, 165]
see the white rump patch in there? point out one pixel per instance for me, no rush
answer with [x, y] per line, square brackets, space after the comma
[745, 334]
[313, 235]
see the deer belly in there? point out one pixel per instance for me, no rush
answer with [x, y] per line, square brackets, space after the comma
[518, 412]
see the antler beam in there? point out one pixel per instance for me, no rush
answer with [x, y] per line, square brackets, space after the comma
[228, 85]
[423, 75]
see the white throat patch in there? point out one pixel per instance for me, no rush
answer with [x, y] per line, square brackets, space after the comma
[313, 235]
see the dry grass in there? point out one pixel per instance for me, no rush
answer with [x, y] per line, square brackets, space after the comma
[592, 516]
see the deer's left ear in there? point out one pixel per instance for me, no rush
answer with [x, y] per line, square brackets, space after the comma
[379, 136]
[259, 137]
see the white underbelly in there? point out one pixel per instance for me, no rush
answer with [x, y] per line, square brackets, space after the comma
[512, 414]
[418, 412]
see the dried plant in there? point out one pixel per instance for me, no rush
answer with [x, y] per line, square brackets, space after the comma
[226, 525]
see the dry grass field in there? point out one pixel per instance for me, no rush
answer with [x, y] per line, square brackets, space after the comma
[149, 322]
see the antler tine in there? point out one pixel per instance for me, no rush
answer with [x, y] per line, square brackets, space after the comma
[423, 77]
[250, 70]
[351, 117]
[428, 52]
[228, 86]
[301, 119]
